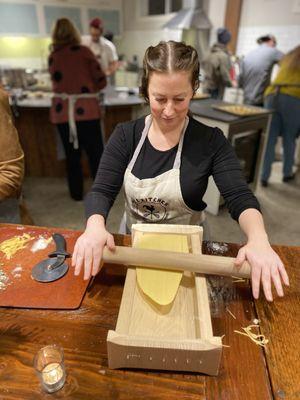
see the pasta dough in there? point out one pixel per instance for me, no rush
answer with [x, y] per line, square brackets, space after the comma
[161, 285]
[10, 246]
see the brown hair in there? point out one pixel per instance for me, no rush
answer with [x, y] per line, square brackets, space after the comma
[292, 59]
[63, 33]
[265, 39]
[170, 56]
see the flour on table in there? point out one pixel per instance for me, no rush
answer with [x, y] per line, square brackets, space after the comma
[217, 248]
[40, 244]
[10, 246]
[16, 272]
[4, 280]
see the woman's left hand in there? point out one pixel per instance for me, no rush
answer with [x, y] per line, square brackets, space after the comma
[266, 267]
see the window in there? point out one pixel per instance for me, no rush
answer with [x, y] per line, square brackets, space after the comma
[158, 7]
[52, 13]
[176, 5]
[18, 18]
[111, 19]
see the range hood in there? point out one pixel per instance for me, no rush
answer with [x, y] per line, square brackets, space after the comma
[192, 17]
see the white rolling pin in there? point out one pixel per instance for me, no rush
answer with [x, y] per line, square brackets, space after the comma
[200, 263]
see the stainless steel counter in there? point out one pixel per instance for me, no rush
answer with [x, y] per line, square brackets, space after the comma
[37, 133]
[111, 97]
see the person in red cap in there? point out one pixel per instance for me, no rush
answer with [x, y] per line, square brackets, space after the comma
[104, 50]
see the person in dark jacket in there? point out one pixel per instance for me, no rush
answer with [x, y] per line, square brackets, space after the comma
[77, 78]
[217, 66]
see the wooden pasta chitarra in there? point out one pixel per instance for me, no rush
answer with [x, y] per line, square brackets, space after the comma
[174, 337]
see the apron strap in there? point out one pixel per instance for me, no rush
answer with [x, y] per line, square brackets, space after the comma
[177, 161]
[148, 123]
[72, 98]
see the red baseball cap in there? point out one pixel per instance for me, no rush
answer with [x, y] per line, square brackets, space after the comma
[96, 23]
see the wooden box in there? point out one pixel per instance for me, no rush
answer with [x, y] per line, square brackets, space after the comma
[177, 338]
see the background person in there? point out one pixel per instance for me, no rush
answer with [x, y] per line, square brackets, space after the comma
[11, 164]
[109, 35]
[217, 66]
[76, 79]
[256, 68]
[104, 50]
[283, 96]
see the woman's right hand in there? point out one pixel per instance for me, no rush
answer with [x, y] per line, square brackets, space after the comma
[89, 247]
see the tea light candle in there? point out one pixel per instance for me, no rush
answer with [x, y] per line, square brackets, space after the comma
[50, 368]
[52, 374]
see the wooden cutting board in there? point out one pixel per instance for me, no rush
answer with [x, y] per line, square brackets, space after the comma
[18, 289]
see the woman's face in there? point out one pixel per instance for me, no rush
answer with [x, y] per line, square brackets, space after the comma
[169, 97]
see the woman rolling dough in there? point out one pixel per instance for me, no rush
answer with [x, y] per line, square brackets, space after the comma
[164, 161]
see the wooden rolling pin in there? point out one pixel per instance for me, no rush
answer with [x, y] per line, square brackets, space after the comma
[204, 264]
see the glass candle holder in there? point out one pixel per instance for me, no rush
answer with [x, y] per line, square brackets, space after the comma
[50, 368]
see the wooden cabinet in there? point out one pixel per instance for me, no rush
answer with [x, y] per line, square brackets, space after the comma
[39, 139]
[113, 116]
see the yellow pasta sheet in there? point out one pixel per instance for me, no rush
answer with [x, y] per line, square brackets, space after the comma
[161, 285]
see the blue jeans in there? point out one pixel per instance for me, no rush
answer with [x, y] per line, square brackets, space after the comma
[285, 122]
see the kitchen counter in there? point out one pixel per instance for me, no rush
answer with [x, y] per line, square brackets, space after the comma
[247, 134]
[39, 140]
[206, 109]
[111, 97]
[42, 149]
[247, 370]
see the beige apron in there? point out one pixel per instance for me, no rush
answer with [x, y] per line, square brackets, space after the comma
[159, 199]
[72, 98]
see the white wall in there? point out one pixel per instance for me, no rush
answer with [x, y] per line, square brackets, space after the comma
[274, 12]
[135, 42]
[141, 32]
[81, 4]
[216, 10]
[279, 17]
[258, 17]
[38, 59]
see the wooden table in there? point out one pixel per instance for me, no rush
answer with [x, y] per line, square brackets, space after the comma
[247, 371]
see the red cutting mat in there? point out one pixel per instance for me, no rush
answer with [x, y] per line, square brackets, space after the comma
[20, 290]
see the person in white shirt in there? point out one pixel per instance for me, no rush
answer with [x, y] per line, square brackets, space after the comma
[104, 50]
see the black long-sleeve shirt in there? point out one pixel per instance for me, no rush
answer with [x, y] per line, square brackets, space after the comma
[205, 152]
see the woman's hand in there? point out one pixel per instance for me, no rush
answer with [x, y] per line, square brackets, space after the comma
[266, 267]
[89, 247]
